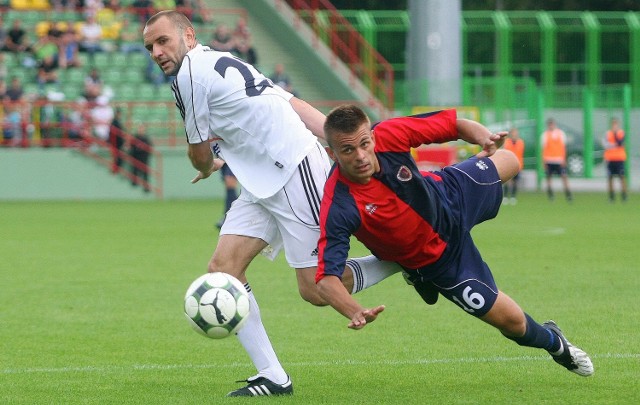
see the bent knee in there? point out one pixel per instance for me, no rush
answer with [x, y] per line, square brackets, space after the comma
[506, 163]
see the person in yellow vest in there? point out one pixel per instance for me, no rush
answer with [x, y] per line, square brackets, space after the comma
[516, 145]
[615, 155]
[554, 156]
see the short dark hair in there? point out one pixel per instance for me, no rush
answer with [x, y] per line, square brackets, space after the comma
[344, 119]
[177, 18]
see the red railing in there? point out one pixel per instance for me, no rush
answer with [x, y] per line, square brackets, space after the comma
[24, 125]
[349, 46]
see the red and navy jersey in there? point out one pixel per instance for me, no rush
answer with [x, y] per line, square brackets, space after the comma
[395, 215]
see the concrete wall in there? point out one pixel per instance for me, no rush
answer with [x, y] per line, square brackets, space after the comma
[54, 174]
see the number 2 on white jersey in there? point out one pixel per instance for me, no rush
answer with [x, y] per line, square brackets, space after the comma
[251, 88]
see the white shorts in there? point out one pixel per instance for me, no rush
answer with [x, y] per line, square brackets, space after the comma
[290, 218]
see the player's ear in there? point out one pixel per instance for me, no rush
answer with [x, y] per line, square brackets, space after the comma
[330, 153]
[190, 36]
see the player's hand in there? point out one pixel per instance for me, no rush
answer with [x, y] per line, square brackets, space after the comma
[492, 144]
[361, 318]
[216, 165]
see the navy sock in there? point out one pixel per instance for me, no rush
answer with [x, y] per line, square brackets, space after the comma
[538, 336]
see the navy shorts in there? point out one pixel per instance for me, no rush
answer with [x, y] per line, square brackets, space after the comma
[474, 194]
[615, 168]
[554, 168]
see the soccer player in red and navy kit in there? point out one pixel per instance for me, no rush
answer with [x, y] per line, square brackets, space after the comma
[422, 221]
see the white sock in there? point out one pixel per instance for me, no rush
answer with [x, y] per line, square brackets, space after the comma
[368, 271]
[255, 341]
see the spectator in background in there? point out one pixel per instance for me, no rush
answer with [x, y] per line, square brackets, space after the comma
[47, 71]
[222, 39]
[245, 51]
[75, 122]
[201, 11]
[554, 156]
[92, 85]
[185, 7]
[116, 139]
[143, 9]
[50, 119]
[615, 155]
[12, 126]
[44, 47]
[140, 152]
[16, 40]
[68, 50]
[55, 33]
[91, 37]
[15, 92]
[91, 7]
[241, 29]
[516, 145]
[102, 115]
[281, 78]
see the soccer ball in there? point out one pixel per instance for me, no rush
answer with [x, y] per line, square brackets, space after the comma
[216, 305]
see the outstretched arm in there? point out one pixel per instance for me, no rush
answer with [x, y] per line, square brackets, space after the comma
[312, 118]
[332, 291]
[476, 133]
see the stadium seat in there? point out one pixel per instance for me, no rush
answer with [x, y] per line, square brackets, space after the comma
[132, 75]
[147, 92]
[119, 59]
[102, 60]
[72, 92]
[138, 59]
[126, 93]
[73, 76]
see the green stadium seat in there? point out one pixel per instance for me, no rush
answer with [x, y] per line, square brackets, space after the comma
[30, 18]
[132, 75]
[24, 75]
[126, 93]
[102, 60]
[119, 59]
[72, 92]
[147, 92]
[73, 76]
[84, 58]
[112, 76]
[138, 59]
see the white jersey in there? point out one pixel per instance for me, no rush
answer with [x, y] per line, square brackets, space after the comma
[250, 122]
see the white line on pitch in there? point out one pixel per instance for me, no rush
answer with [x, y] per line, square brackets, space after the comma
[143, 367]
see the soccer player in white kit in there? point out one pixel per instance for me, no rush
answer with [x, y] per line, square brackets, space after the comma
[266, 136]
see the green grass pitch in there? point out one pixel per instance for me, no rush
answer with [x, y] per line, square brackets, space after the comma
[91, 312]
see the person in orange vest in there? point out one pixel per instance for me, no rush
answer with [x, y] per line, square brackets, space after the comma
[615, 155]
[516, 145]
[554, 156]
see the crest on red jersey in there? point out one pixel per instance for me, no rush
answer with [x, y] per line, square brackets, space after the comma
[404, 174]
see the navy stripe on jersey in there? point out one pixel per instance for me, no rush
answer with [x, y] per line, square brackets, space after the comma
[180, 100]
[178, 97]
[310, 189]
